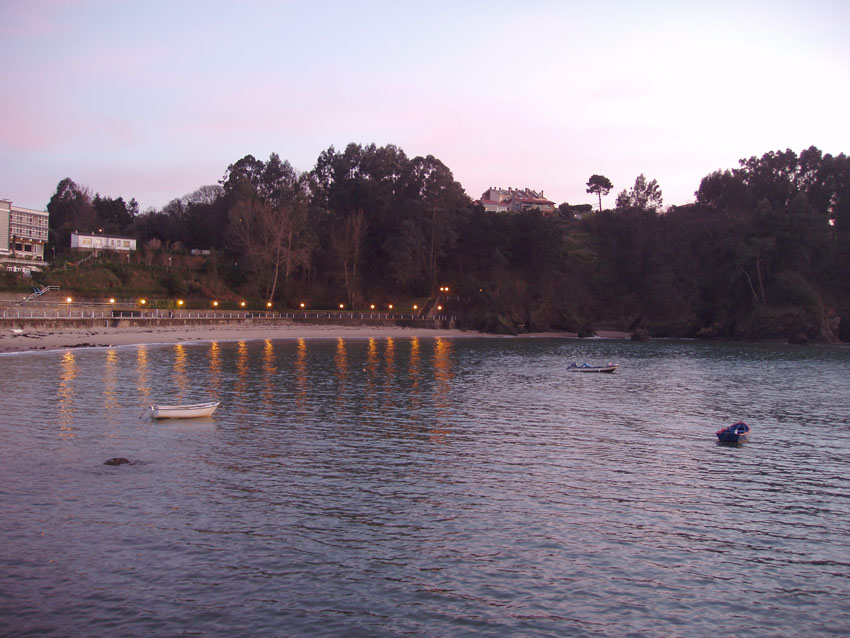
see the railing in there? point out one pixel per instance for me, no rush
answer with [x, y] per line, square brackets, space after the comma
[38, 292]
[76, 313]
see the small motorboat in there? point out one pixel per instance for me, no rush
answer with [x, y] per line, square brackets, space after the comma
[735, 433]
[586, 367]
[187, 411]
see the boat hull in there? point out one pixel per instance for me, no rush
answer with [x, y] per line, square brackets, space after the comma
[189, 411]
[735, 433]
[586, 368]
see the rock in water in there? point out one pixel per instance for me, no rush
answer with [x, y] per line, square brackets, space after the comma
[118, 460]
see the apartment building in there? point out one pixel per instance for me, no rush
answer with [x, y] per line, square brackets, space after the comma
[23, 238]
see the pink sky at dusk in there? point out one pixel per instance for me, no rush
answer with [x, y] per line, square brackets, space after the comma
[154, 99]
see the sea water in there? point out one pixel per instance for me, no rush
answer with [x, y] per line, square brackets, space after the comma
[426, 487]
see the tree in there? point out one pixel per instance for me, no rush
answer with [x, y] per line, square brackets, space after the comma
[443, 198]
[112, 215]
[724, 190]
[347, 239]
[70, 209]
[268, 217]
[600, 185]
[643, 196]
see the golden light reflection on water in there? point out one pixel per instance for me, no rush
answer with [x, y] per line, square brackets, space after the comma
[269, 371]
[142, 382]
[389, 373]
[65, 394]
[371, 373]
[181, 380]
[414, 370]
[110, 374]
[443, 376]
[242, 370]
[341, 367]
[215, 368]
[301, 376]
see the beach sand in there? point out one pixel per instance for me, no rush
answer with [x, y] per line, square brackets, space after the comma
[45, 339]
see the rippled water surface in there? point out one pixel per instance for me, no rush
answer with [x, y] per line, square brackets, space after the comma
[426, 487]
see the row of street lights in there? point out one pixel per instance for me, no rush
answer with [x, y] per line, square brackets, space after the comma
[269, 305]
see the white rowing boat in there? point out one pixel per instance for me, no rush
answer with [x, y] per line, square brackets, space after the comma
[187, 411]
[586, 367]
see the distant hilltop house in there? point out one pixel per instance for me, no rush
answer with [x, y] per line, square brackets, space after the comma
[23, 236]
[499, 200]
[96, 242]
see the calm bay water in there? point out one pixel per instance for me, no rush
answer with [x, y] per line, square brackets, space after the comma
[426, 487]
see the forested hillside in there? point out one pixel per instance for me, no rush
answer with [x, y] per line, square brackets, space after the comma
[764, 252]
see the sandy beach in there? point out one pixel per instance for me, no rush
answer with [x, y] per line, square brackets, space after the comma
[45, 339]
[29, 339]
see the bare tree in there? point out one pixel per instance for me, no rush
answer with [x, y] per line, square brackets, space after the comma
[269, 219]
[346, 239]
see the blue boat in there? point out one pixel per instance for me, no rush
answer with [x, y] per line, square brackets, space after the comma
[735, 433]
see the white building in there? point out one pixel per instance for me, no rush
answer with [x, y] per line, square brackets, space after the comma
[97, 242]
[23, 237]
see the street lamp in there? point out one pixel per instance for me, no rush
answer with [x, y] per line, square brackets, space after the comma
[69, 299]
[215, 304]
[112, 300]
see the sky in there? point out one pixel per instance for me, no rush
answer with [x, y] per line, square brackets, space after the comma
[151, 100]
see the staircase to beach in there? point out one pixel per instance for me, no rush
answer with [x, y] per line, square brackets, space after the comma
[38, 292]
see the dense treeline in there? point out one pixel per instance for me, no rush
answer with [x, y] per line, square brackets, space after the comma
[765, 251]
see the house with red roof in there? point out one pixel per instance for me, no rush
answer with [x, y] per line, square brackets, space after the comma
[511, 200]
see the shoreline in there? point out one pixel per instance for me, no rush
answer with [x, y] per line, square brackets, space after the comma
[45, 339]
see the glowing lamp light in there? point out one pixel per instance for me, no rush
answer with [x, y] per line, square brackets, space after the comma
[215, 304]
[439, 307]
[242, 303]
[69, 299]
[372, 307]
[268, 304]
[112, 300]
[302, 304]
[341, 306]
[179, 302]
[390, 306]
[143, 301]
[415, 307]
